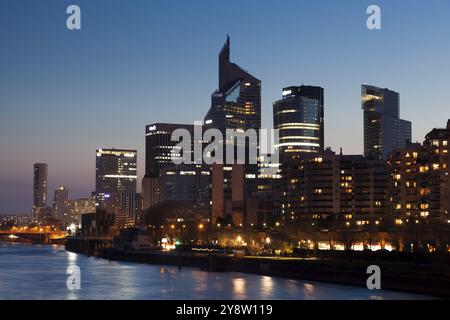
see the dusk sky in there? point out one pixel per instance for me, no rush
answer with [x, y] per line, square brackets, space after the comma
[65, 93]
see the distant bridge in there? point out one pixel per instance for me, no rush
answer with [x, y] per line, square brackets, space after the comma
[33, 235]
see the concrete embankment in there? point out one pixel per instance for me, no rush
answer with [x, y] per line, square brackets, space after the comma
[400, 276]
[394, 276]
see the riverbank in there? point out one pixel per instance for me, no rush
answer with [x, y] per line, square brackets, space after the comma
[395, 276]
[30, 272]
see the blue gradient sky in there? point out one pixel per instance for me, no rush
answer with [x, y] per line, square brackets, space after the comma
[65, 93]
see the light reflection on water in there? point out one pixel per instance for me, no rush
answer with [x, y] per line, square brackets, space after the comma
[39, 272]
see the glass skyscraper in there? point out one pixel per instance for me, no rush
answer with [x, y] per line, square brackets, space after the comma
[236, 104]
[384, 131]
[299, 118]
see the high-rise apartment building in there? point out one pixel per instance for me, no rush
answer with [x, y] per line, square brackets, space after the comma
[330, 188]
[437, 145]
[418, 185]
[75, 208]
[40, 186]
[61, 195]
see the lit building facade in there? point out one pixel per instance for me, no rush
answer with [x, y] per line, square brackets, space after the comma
[437, 145]
[40, 190]
[236, 104]
[383, 129]
[418, 185]
[299, 118]
[74, 208]
[186, 183]
[336, 191]
[158, 157]
[116, 177]
[159, 146]
[61, 195]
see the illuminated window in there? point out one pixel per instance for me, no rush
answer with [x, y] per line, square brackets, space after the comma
[423, 169]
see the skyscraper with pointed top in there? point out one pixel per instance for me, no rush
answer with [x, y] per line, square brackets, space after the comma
[236, 104]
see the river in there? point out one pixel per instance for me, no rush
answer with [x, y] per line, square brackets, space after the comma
[39, 272]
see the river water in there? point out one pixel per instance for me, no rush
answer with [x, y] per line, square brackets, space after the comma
[39, 272]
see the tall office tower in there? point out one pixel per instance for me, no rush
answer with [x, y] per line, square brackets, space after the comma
[40, 191]
[383, 129]
[299, 118]
[115, 184]
[61, 195]
[236, 104]
[158, 156]
[159, 145]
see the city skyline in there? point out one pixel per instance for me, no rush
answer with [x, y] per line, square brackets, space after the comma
[22, 150]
